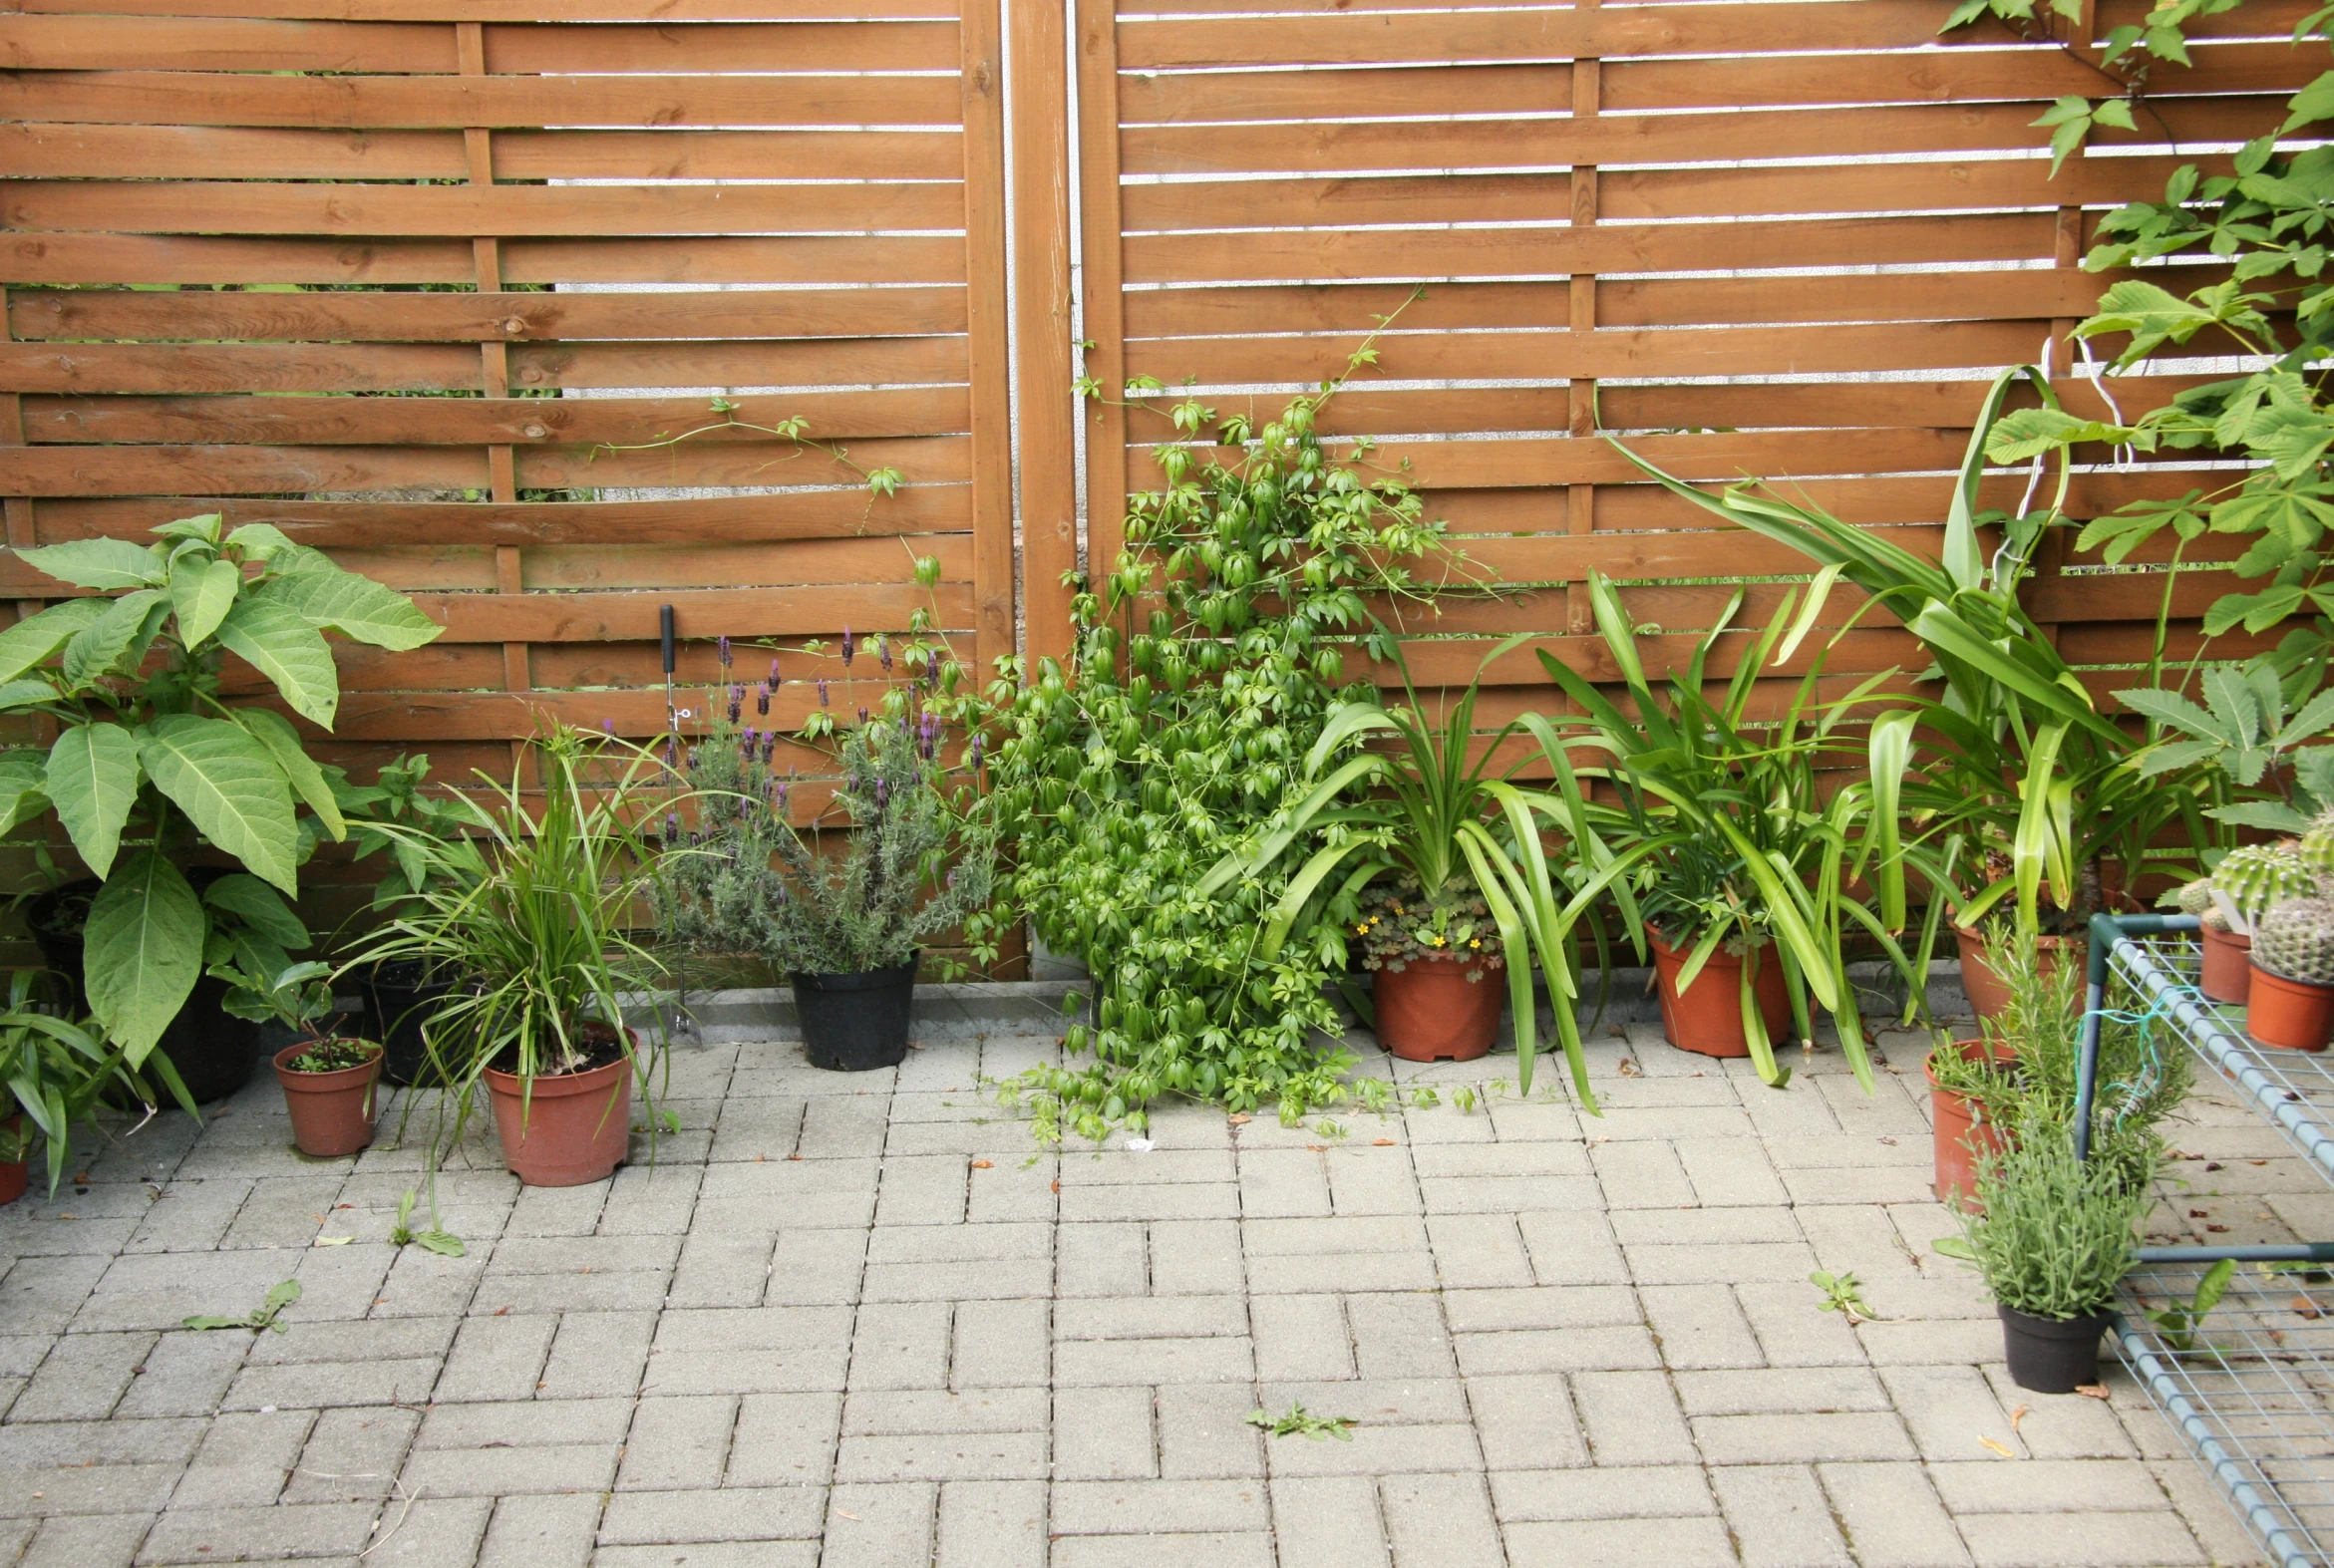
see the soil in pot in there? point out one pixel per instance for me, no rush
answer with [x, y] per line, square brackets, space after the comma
[1429, 1011]
[2052, 1355]
[329, 1086]
[2227, 970]
[214, 1052]
[15, 1174]
[2290, 1014]
[1988, 996]
[1708, 1017]
[857, 1023]
[566, 1128]
[1962, 1130]
[399, 999]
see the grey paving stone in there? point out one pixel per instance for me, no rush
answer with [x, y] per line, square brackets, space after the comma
[1104, 1434]
[352, 1455]
[1660, 1492]
[228, 1534]
[1204, 1432]
[785, 1439]
[106, 1540]
[541, 1532]
[1780, 1391]
[81, 1378]
[1164, 1551]
[1623, 1543]
[816, 1268]
[517, 1469]
[1779, 1517]
[1102, 1260]
[1573, 1248]
[1196, 1257]
[1147, 1507]
[1801, 1438]
[677, 1444]
[1116, 1362]
[317, 1385]
[1892, 1516]
[1620, 1347]
[182, 1374]
[245, 1460]
[2048, 1486]
[430, 1532]
[1150, 1318]
[1632, 1418]
[1479, 1251]
[1328, 1519]
[1950, 1410]
[900, 1345]
[1000, 1344]
[1440, 1521]
[992, 1524]
[2092, 1541]
[499, 1357]
[1526, 1422]
[880, 1526]
[1700, 1325]
[735, 1513]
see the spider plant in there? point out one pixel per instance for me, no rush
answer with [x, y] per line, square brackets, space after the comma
[531, 911]
[1433, 805]
[1714, 827]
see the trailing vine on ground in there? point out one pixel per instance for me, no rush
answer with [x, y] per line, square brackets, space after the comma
[1204, 669]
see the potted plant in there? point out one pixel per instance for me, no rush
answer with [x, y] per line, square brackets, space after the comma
[329, 1080]
[150, 766]
[1971, 1082]
[1431, 810]
[2054, 1238]
[531, 913]
[400, 994]
[1430, 957]
[2225, 969]
[2293, 975]
[1726, 855]
[57, 1073]
[843, 909]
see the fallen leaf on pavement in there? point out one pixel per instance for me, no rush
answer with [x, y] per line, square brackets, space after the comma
[2019, 1414]
[1988, 1443]
[2091, 1390]
[984, 1164]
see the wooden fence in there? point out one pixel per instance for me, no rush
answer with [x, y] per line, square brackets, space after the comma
[1767, 239]
[431, 283]
[434, 285]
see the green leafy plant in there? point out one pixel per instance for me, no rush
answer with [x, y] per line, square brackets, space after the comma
[57, 1071]
[1844, 1295]
[2014, 784]
[1206, 666]
[2249, 741]
[2180, 1322]
[264, 1318]
[909, 866]
[533, 912]
[1716, 831]
[1301, 1423]
[1433, 810]
[2058, 1233]
[1400, 923]
[435, 1239]
[152, 765]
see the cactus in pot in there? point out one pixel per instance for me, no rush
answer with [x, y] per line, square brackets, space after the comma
[2292, 1003]
[2315, 850]
[2249, 881]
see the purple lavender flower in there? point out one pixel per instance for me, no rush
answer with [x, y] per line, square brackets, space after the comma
[777, 805]
[928, 735]
[745, 743]
[848, 647]
[774, 682]
[863, 715]
[672, 827]
[607, 725]
[762, 700]
[721, 648]
[823, 691]
[882, 794]
[737, 701]
[768, 746]
[672, 759]
[979, 746]
[883, 653]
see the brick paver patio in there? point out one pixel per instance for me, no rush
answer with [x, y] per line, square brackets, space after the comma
[845, 1320]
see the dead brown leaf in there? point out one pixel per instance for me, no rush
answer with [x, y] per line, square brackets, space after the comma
[2004, 1452]
[2091, 1390]
[2019, 1414]
[983, 1165]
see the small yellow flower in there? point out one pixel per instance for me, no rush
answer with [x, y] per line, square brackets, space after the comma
[1478, 942]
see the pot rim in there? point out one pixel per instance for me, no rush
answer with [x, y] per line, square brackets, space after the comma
[1968, 1051]
[2285, 980]
[863, 979]
[561, 1084]
[283, 1060]
[1973, 935]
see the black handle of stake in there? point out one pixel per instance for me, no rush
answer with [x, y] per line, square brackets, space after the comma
[664, 628]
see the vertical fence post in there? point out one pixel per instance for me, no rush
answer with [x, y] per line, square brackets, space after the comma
[470, 47]
[19, 509]
[1039, 127]
[1104, 277]
[1580, 499]
[987, 316]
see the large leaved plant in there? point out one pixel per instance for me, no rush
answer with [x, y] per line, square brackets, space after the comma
[152, 765]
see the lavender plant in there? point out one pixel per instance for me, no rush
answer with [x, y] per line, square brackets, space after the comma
[891, 862]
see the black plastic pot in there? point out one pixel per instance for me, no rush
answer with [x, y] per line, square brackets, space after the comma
[857, 1023]
[213, 1050]
[2052, 1355]
[399, 999]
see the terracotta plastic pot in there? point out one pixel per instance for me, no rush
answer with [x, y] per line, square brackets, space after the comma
[2051, 1354]
[332, 1112]
[2228, 967]
[1708, 1017]
[15, 1174]
[574, 1129]
[1429, 1011]
[1988, 996]
[2292, 1015]
[1960, 1129]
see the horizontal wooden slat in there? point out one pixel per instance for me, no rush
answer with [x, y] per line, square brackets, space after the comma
[237, 367]
[227, 152]
[742, 612]
[724, 47]
[246, 207]
[1625, 194]
[204, 314]
[520, 422]
[657, 11]
[333, 524]
[1551, 34]
[180, 43]
[1617, 139]
[2256, 19]
[138, 258]
[160, 469]
[1956, 76]
[1312, 255]
[421, 103]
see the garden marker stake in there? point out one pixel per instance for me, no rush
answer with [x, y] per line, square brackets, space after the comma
[664, 631]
